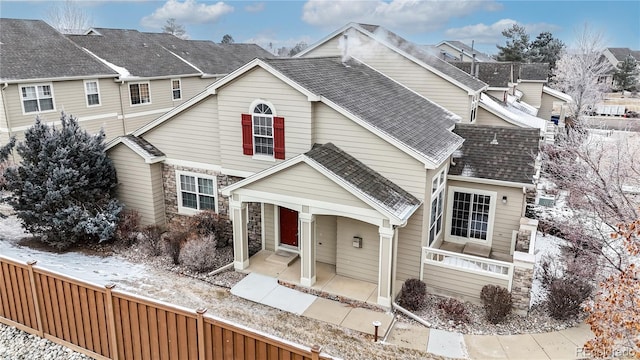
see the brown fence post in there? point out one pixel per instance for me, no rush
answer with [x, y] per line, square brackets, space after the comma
[315, 352]
[201, 342]
[36, 302]
[111, 322]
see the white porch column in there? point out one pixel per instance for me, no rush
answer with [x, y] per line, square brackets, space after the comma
[307, 249]
[385, 266]
[240, 235]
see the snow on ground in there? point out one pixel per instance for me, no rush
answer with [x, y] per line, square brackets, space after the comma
[94, 269]
[547, 247]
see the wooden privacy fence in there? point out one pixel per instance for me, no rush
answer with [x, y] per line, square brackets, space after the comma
[108, 324]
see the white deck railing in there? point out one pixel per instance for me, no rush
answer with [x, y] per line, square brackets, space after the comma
[468, 263]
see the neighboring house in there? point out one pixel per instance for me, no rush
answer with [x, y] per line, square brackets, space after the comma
[159, 71]
[453, 50]
[406, 63]
[332, 160]
[43, 73]
[113, 79]
[615, 56]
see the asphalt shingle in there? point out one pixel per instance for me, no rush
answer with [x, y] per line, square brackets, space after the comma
[376, 99]
[31, 49]
[378, 188]
[510, 157]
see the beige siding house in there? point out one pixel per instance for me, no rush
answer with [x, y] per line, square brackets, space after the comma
[406, 63]
[367, 184]
[119, 81]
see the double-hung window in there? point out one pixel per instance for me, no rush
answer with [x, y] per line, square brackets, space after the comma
[176, 89]
[37, 98]
[471, 214]
[93, 92]
[437, 205]
[263, 130]
[195, 192]
[139, 93]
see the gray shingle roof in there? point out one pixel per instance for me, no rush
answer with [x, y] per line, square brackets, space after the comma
[31, 49]
[480, 56]
[496, 74]
[511, 159]
[135, 51]
[376, 99]
[535, 71]
[209, 57]
[621, 53]
[148, 148]
[376, 187]
[428, 59]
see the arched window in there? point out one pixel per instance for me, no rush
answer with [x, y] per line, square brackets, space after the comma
[262, 118]
[263, 132]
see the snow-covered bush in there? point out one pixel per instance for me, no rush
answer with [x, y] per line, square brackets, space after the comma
[63, 188]
[199, 254]
[413, 294]
[497, 302]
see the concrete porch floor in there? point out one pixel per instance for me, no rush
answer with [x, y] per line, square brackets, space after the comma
[326, 278]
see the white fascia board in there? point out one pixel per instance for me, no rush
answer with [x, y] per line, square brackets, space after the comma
[143, 154]
[58, 79]
[489, 181]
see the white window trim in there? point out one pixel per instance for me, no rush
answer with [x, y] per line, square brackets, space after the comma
[172, 89]
[189, 211]
[131, 104]
[490, 222]
[473, 114]
[22, 99]
[434, 195]
[86, 94]
[256, 156]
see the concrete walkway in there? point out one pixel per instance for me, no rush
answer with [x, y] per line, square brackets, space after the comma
[565, 344]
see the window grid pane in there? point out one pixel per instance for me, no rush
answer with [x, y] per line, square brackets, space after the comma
[460, 216]
[93, 99]
[189, 200]
[205, 186]
[144, 93]
[480, 217]
[46, 104]
[134, 89]
[207, 202]
[188, 183]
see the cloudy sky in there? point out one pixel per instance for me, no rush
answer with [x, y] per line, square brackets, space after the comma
[284, 23]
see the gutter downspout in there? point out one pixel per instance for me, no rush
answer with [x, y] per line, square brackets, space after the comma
[124, 129]
[6, 116]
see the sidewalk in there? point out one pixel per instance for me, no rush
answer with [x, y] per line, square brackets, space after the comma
[553, 345]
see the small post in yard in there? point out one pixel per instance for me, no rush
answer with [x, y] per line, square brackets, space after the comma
[36, 301]
[376, 324]
[200, 324]
[111, 322]
[315, 352]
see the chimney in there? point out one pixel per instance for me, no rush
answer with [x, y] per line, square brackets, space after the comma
[474, 70]
[444, 54]
[345, 48]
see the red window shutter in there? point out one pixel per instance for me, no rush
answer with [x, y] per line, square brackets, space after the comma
[247, 134]
[278, 137]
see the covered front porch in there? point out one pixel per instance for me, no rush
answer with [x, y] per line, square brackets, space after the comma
[339, 217]
[328, 282]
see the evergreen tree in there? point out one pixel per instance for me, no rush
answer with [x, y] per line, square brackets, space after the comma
[517, 45]
[626, 74]
[227, 39]
[63, 190]
[546, 49]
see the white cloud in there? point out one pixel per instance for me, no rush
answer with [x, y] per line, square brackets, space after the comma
[187, 12]
[253, 8]
[492, 34]
[399, 15]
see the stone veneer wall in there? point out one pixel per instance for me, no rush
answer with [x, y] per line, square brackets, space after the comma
[254, 226]
[521, 288]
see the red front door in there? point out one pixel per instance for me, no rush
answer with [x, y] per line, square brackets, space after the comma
[288, 227]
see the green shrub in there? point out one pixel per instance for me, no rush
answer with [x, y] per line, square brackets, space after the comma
[497, 303]
[413, 294]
